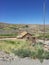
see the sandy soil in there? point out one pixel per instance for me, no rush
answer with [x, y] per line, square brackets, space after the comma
[24, 61]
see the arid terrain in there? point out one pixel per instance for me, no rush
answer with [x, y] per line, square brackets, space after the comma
[24, 61]
[15, 51]
[6, 28]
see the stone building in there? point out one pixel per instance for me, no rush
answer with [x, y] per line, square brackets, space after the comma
[27, 36]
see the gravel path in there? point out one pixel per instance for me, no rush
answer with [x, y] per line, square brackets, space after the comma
[24, 61]
[6, 59]
[7, 38]
[46, 42]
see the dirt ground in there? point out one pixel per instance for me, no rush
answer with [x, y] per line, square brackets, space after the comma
[24, 61]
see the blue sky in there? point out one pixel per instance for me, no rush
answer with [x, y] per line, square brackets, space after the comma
[23, 11]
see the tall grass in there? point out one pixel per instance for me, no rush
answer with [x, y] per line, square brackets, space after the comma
[22, 48]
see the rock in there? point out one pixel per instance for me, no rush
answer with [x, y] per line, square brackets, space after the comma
[6, 57]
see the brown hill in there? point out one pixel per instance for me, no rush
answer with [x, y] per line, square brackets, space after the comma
[6, 28]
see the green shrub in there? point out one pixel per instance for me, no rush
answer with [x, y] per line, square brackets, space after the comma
[8, 35]
[33, 55]
[22, 52]
[9, 42]
[46, 55]
[40, 43]
[40, 53]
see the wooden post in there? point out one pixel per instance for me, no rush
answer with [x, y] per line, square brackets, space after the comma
[44, 12]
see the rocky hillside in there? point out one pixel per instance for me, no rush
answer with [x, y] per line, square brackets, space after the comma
[17, 28]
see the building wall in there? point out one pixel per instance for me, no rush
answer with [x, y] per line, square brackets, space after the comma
[29, 37]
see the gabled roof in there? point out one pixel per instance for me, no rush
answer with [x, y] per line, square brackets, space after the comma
[22, 34]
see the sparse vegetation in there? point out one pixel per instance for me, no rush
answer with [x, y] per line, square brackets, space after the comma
[12, 29]
[41, 36]
[23, 48]
[7, 35]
